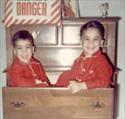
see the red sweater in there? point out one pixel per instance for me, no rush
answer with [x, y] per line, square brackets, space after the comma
[24, 75]
[95, 71]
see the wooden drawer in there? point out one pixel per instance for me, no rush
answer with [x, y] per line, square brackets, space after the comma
[53, 103]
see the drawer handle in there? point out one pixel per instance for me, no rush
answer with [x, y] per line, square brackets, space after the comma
[17, 104]
[97, 105]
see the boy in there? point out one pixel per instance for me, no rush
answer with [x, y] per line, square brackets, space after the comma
[92, 69]
[25, 71]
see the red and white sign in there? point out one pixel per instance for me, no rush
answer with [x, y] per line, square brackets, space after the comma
[32, 12]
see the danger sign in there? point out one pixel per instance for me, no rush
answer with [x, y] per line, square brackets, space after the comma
[32, 12]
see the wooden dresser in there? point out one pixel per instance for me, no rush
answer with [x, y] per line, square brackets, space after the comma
[56, 48]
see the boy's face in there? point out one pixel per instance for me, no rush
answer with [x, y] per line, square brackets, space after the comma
[23, 50]
[91, 40]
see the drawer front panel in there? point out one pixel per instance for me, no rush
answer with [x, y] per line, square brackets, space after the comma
[38, 103]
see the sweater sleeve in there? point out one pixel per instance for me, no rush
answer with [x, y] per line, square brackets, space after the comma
[67, 76]
[43, 76]
[64, 78]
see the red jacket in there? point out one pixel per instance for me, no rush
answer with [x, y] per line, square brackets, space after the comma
[24, 75]
[95, 71]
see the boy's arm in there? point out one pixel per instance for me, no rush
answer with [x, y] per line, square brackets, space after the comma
[66, 76]
[64, 79]
[43, 76]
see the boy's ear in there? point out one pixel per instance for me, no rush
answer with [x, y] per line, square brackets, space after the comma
[33, 49]
[102, 42]
[14, 51]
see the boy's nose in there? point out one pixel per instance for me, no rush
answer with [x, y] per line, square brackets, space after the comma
[24, 51]
[91, 42]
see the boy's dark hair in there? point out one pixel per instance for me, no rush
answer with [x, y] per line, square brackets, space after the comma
[93, 24]
[23, 35]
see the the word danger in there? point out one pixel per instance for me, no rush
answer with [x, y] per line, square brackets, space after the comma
[31, 8]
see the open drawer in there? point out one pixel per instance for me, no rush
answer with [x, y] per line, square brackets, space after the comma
[57, 103]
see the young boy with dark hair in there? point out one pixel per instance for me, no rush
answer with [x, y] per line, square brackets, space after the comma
[25, 71]
[91, 69]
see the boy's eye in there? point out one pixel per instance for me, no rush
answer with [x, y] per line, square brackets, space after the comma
[95, 39]
[28, 47]
[19, 48]
[86, 39]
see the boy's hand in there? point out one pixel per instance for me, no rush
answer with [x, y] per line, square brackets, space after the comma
[38, 81]
[76, 86]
